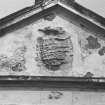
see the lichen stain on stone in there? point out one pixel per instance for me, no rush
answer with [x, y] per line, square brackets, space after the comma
[55, 95]
[101, 51]
[49, 17]
[89, 75]
[92, 43]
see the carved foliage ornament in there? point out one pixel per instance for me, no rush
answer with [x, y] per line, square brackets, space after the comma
[15, 63]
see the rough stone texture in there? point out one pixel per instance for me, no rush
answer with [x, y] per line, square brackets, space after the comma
[54, 50]
[101, 51]
[58, 97]
[52, 46]
[21, 53]
[93, 43]
[49, 17]
[19, 97]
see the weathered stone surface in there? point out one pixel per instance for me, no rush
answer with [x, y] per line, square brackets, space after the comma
[55, 47]
[101, 51]
[93, 43]
[54, 50]
[56, 97]
[89, 75]
[50, 16]
[15, 63]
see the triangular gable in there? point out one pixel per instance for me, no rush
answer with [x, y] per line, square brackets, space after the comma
[56, 41]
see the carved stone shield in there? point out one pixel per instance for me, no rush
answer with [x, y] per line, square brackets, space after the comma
[54, 49]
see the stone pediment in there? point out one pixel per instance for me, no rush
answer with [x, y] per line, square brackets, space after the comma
[52, 39]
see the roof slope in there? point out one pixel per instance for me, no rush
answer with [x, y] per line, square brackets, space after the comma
[44, 4]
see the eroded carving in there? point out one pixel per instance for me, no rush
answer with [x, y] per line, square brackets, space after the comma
[55, 49]
[55, 95]
[15, 63]
[52, 31]
[4, 62]
[50, 16]
[89, 75]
